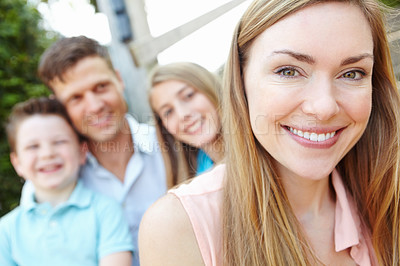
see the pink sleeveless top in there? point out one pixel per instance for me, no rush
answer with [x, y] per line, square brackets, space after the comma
[202, 200]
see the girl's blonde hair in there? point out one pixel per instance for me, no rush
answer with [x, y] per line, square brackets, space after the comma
[179, 157]
[259, 226]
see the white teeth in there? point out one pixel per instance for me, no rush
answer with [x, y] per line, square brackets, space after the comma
[49, 168]
[194, 127]
[300, 133]
[98, 120]
[312, 136]
[101, 120]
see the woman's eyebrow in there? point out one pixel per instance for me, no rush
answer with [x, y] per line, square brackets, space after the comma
[355, 59]
[180, 91]
[299, 56]
[183, 88]
[310, 60]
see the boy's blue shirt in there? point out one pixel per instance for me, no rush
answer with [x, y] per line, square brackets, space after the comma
[80, 231]
[144, 180]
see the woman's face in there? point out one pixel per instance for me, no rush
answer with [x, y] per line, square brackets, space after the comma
[185, 112]
[308, 86]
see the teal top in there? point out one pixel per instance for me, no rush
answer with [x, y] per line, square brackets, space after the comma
[204, 162]
[80, 231]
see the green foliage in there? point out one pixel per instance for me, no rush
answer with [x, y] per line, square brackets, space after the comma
[22, 42]
[392, 3]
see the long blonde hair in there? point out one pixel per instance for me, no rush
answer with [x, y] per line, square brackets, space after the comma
[179, 157]
[259, 226]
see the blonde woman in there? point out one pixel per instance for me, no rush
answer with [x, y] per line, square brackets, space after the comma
[311, 116]
[184, 99]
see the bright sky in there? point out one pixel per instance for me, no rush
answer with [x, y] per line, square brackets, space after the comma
[208, 46]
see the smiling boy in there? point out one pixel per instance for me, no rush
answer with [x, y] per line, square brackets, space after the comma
[60, 222]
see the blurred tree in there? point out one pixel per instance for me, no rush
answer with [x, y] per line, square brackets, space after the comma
[392, 3]
[22, 41]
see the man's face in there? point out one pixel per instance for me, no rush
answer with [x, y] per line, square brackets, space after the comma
[92, 95]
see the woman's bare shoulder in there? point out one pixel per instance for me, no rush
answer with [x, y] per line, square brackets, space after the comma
[166, 235]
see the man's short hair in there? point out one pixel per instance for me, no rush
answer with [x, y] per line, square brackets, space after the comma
[67, 52]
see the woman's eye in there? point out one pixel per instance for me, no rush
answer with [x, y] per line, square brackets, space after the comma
[190, 95]
[355, 75]
[287, 72]
[166, 113]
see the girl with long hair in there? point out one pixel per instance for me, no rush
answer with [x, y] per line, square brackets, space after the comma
[185, 103]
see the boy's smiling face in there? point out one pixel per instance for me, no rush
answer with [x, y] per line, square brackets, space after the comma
[47, 153]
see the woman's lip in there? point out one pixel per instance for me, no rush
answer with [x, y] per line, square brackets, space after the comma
[319, 142]
[194, 127]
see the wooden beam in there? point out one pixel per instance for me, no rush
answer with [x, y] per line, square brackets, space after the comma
[145, 50]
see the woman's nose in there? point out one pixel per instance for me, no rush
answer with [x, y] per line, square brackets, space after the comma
[183, 112]
[320, 99]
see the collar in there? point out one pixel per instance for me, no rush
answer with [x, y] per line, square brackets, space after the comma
[143, 138]
[143, 135]
[80, 197]
[347, 222]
